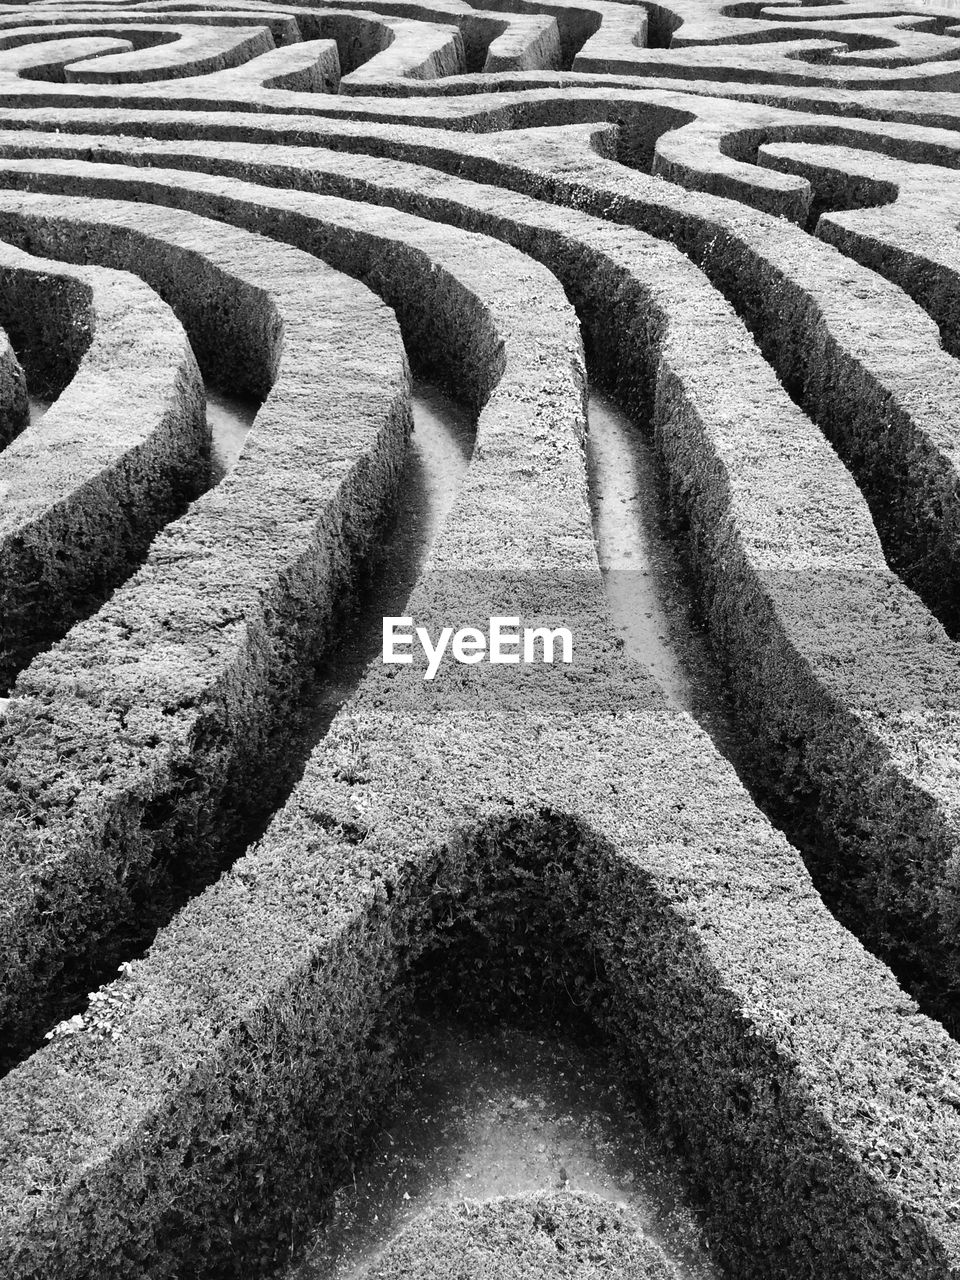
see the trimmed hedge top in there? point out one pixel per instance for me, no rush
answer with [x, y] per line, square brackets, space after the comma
[541, 1236]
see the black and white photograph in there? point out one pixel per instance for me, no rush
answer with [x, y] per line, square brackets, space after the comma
[480, 640]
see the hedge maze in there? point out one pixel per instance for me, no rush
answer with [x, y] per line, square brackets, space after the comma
[741, 220]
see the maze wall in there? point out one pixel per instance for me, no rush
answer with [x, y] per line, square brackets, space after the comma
[742, 219]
